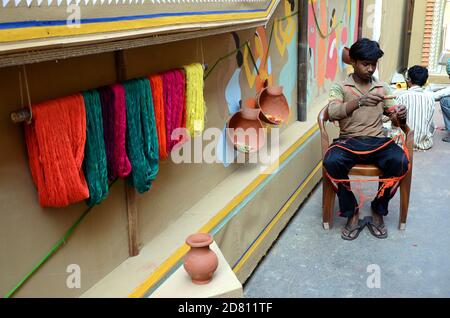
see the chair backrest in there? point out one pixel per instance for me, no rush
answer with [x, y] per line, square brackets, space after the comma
[322, 119]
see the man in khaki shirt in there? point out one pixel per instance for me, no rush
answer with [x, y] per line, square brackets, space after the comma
[358, 103]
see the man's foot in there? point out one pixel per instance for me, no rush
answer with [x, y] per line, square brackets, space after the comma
[353, 227]
[446, 139]
[376, 226]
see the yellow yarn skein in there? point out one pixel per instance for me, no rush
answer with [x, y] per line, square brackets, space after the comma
[195, 102]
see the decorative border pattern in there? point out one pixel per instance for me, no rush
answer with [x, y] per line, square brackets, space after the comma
[154, 15]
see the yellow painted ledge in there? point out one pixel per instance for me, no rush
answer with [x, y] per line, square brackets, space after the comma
[178, 255]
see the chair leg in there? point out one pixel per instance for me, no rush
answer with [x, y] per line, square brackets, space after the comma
[328, 197]
[405, 189]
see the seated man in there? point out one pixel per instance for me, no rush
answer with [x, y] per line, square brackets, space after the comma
[445, 106]
[420, 107]
[358, 104]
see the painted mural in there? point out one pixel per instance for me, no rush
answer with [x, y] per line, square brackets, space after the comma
[254, 64]
[332, 25]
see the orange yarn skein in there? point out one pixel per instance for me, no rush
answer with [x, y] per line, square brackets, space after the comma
[158, 105]
[55, 142]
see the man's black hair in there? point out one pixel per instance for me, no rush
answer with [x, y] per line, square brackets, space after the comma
[418, 75]
[366, 50]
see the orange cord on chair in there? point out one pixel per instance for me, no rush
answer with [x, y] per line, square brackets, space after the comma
[387, 183]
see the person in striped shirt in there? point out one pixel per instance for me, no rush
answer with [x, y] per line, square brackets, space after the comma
[420, 105]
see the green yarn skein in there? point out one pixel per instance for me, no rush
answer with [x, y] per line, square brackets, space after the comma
[94, 164]
[141, 136]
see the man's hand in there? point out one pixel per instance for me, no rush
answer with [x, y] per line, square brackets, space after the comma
[401, 112]
[371, 100]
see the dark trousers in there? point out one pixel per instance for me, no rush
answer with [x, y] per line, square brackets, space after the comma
[338, 162]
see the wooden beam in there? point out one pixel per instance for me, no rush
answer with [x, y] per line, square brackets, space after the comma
[302, 76]
[130, 192]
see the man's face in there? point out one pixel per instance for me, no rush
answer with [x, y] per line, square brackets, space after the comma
[365, 69]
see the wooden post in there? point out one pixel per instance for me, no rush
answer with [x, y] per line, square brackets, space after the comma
[130, 192]
[302, 69]
[360, 19]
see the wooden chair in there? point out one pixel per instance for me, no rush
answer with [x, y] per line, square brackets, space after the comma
[328, 193]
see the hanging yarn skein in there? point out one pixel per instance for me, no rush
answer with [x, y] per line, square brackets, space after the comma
[195, 102]
[174, 104]
[156, 83]
[94, 165]
[114, 127]
[142, 137]
[55, 142]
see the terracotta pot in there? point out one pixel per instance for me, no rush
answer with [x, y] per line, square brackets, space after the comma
[250, 110]
[200, 262]
[274, 106]
[245, 132]
[346, 56]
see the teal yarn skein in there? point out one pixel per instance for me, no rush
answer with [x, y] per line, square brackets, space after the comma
[94, 164]
[141, 135]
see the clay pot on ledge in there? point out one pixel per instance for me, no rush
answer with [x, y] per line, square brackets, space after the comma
[346, 56]
[200, 262]
[274, 106]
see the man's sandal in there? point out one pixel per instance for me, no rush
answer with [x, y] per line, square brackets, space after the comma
[380, 228]
[352, 231]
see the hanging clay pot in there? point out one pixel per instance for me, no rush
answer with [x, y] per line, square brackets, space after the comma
[346, 56]
[244, 130]
[200, 262]
[274, 106]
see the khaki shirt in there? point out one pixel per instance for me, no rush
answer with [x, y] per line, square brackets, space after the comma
[364, 121]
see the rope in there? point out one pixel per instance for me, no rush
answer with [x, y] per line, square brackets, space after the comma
[333, 28]
[386, 183]
[141, 135]
[94, 164]
[195, 102]
[52, 251]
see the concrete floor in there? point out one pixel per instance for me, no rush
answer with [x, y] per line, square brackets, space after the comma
[307, 261]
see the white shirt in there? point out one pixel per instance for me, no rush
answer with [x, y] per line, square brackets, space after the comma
[420, 106]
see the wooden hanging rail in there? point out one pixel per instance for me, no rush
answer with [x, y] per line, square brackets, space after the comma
[25, 115]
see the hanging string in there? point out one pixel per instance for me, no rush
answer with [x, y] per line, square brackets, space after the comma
[271, 32]
[195, 102]
[142, 138]
[321, 33]
[230, 54]
[28, 94]
[94, 164]
[55, 141]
